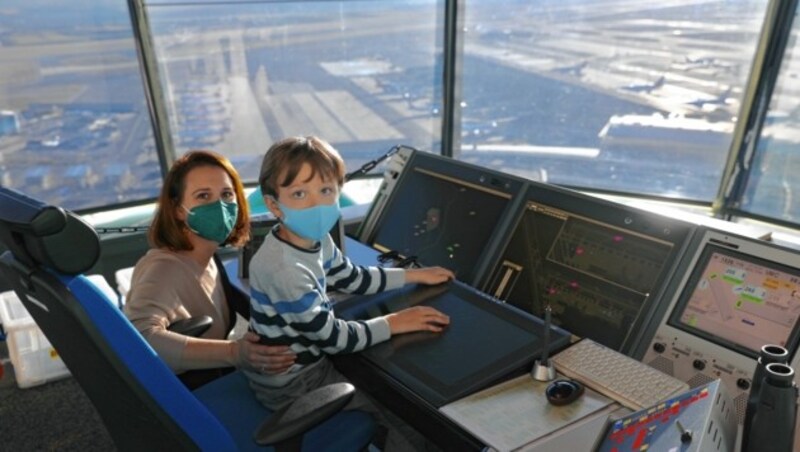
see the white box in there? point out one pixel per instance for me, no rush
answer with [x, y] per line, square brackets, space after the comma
[13, 314]
[35, 361]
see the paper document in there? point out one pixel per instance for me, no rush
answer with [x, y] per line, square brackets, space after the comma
[512, 414]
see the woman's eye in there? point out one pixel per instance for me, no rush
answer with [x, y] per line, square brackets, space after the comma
[202, 196]
[228, 196]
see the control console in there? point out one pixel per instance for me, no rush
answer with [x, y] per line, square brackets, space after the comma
[735, 295]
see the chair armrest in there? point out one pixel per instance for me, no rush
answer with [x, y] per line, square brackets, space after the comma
[306, 412]
[193, 326]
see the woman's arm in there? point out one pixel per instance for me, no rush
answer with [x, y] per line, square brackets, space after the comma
[161, 293]
[245, 353]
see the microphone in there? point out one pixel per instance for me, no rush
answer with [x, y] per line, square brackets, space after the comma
[543, 370]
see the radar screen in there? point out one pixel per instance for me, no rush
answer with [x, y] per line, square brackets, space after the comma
[441, 219]
[597, 276]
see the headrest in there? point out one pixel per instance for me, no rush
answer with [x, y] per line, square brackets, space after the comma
[38, 234]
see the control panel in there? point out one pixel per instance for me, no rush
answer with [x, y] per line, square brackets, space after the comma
[697, 420]
[735, 295]
[697, 364]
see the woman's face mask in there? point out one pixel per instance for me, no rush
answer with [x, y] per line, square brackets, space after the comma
[214, 221]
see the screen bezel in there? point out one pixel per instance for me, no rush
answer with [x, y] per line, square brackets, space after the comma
[696, 272]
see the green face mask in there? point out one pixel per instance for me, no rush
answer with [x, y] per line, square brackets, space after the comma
[213, 221]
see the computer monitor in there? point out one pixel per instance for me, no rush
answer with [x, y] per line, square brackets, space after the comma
[601, 266]
[445, 212]
[740, 301]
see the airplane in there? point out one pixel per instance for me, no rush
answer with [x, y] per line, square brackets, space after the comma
[645, 87]
[700, 60]
[721, 99]
[697, 62]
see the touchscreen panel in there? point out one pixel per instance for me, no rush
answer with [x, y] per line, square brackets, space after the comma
[484, 342]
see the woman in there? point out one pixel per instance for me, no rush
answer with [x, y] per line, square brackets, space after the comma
[198, 211]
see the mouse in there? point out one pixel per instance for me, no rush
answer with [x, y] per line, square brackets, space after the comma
[563, 392]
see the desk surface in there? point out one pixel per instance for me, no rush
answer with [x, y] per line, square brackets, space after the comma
[516, 413]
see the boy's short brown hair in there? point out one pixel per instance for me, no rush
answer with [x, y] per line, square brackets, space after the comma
[284, 159]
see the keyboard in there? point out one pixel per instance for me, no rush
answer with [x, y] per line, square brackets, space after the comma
[631, 383]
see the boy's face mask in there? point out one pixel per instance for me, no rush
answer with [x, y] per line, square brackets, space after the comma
[312, 223]
[213, 221]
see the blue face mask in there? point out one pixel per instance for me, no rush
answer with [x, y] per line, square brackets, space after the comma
[213, 221]
[312, 223]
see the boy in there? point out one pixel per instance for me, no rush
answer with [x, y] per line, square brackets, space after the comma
[297, 263]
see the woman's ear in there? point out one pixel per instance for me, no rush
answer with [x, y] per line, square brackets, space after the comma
[179, 211]
[273, 207]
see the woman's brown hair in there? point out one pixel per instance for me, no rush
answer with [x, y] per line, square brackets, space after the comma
[167, 231]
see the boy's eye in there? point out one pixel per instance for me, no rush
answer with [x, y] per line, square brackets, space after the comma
[298, 194]
[328, 191]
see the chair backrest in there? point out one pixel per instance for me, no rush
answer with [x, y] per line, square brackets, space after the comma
[143, 405]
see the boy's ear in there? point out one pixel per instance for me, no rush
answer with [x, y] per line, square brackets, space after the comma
[272, 205]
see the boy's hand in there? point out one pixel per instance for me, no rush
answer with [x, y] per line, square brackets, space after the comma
[429, 275]
[418, 318]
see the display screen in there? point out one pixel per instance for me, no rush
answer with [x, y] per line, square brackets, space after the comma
[444, 216]
[739, 301]
[597, 274]
[484, 341]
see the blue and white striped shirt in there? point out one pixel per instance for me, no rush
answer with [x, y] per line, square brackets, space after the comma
[289, 305]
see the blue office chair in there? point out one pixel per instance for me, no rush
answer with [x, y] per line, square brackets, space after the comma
[141, 402]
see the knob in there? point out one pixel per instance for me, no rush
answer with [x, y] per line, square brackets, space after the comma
[743, 383]
[686, 434]
[658, 347]
[699, 364]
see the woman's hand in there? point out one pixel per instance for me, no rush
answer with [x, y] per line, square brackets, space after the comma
[418, 318]
[429, 275]
[267, 359]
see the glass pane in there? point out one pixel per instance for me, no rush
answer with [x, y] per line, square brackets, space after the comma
[774, 182]
[637, 97]
[240, 76]
[74, 125]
